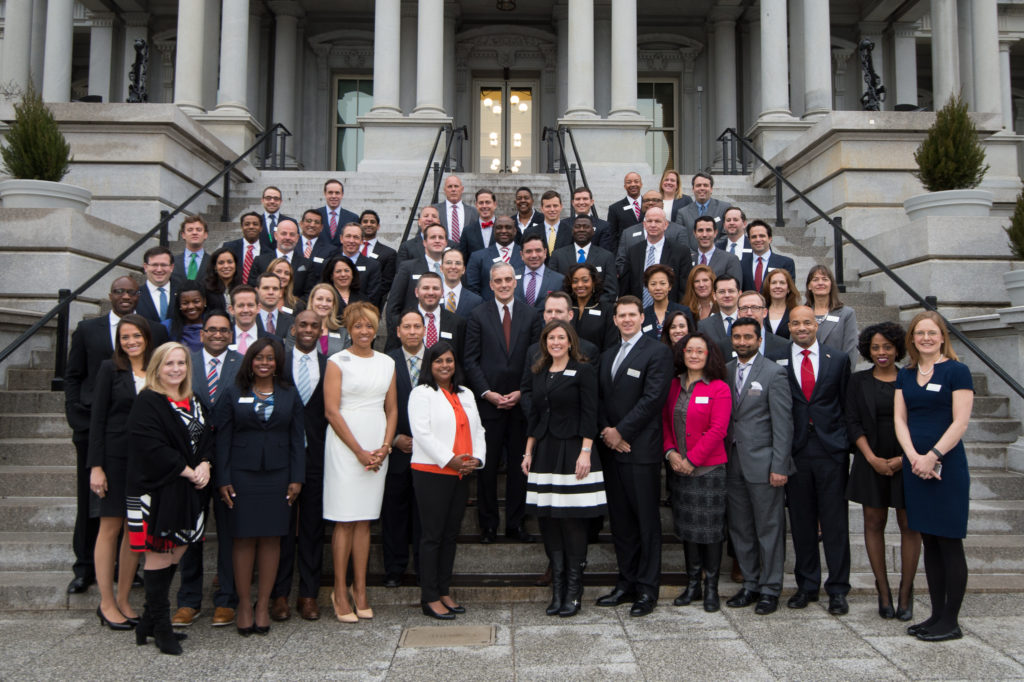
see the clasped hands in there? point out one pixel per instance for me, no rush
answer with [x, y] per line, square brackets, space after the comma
[503, 402]
[199, 476]
[373, 459]
[611, 437]
[924, 465]
[464, 464]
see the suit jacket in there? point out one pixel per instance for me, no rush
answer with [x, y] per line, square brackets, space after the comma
[635, 234]
[595, 325]
[761, 430]
[775, 262]
[564, 258]
[741, 250]
[469, 214]
[563, 233]
[714, 326]
[237, 247]
[323, 251]
[471, 238]
[782, 331]
[564, 406]
[631, 401]
[282, 325]
[267, 241]
[370, 280]
[707, 421]
[536, 219]
[411, 249]
[148, 308]
[399, 461]
[450, 328]
[388, 260]
[775, 347]
[344, 218]
[650, 323]
[620, 217]
[247, 443]
[551, 281]
[687, 215]
[180, 272]
[672, 254]
[593, 358]
[230, 362]
[403, 290]
[839, 330]
[108, 425]
[722, 264]
[468, 301]
[478, 271]
[90, 346]
[490, 364]
[314, 419]
[827, 406]
[862, 410]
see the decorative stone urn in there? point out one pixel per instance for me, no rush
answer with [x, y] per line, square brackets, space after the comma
[43, 194]
[951, 202]
[1013, 280]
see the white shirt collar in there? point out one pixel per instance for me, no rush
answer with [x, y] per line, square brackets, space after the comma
[766, 255]
[707, 254]
[457, 290]
[418, 354]
[501, 307]
[207, 357]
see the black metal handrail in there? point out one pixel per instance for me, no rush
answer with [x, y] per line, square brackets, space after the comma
[65, 297]
[928, 303]
[567, 169]
[462, 132]
[733, 160]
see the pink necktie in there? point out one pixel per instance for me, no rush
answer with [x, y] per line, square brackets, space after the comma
[636, 209]
[455, 224]
[308, 250]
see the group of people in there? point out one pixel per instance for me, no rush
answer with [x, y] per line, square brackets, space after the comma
[246, 380]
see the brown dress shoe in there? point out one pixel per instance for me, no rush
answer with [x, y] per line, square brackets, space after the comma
[308, 608]
[279, 609]
[184, 617]
[222, 616]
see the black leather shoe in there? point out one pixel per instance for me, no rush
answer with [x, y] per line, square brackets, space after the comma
[427, 611]
[642, 606]
[926, 636]
[801, 599]
[520, 534]
[837, 605]
[616, 597]
[392, 581]
[488, 537]
[261, 629]
[123, 625]
[78, 584]
[743, 598]
[768, 603]
[912, 630]
[458, 609]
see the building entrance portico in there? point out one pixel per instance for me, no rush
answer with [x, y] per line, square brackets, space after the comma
[507, 125]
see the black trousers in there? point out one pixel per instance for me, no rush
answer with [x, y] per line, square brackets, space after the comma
[506, 437]
[441, 500]
[190, 591]
[817, 493]
[305, 537]
[634, 515]
[399, 520]
[86, 527]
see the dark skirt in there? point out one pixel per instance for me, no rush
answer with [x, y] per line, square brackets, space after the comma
[871, 489]
[114, 502]
[552, 488]
[698, 506]
[261, 503]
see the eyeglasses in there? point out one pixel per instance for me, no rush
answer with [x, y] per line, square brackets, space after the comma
[269, 197]
[158, 266]
[217, 330]
[750, 307]
[125, 292]
[927, 333]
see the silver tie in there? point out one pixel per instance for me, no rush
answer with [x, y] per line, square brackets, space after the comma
[303, 381]
[648, 299]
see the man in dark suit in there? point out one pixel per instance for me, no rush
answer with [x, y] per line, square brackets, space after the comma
[710, 255]
[438, 323]
[537, 280]
[703, 204]
[583, 250]
[633, 385]
[553, 231]
[370, 278]
[248, 247]
[761, 260]
[816, 492]
[624, 212]
[760, 462]
[583, 204]
[464, 214]
[91, 343]
[271, 320]
[636, 233]
[214, 368]
[752, 304]
[505, 248]
[244, 311]
[734, 240]
[457, 297]
[315, 248]
[497, 338]
[412, 248]
[655, 249]
[286, 247]
[272, 216]
[526, 216]
[719, 325]
[332, 216]
[478, 234]
[399, 519]
[159, 295]
[305, 367]
[376, 250]
[193, 263]
[403, 291]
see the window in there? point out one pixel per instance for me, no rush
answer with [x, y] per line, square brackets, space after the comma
[353, 98]
[656, 101]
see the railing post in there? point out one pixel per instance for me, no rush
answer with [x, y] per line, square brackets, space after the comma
[165, 217]
[436, 168]
[838, 255]
[572, 177]
[60, 364]
[226, 194]
[779, 220]
[932, 302]
[284, 146]
[459, 139]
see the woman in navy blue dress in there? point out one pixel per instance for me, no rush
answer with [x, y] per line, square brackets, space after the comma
[934, 397]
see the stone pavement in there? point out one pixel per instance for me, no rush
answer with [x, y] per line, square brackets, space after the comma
[671, 644]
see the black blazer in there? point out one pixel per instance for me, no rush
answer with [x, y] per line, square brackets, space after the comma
[450, 328]
[714, 326]
[387, 258]
[314, 419]
[300, 269]
[266, 241]
[827, 407]
[536, 219]
[478, 269]
[230, 362]
[490, 365]
[147, 307]
[403, 289]
[861, 409]
[412, 248]
[468, 301]
[370, 280]
[399, 461]
[620, 216]
[566, 405]
[323, 251]
[650, 324]
[595, 325]
[673, 255]
[783, 331]
[471, 238]
[775, 262]
[593, 358]
[344, 218]
[564, 258]
[247, 443]
[632, 400]
[563, 233]
[161, 451]
[775, 347]
[238, 246]
[108, 426]
[282, 325]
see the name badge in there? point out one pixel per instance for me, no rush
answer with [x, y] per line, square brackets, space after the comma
[701, 400]
[594, 311]
[446, 335]
[345, 358]
[598, 268]
[496, 260]
[783, 361]
[334, 335]
[519, 276]
[318, 259]
[415, 277]
[286, 310]
[361, 268]
[233, 346]
[374, 254]
[832, 318]
[934, 388]
[569, 372]
[636, 234]
[635, 373]
[647, 328]
[246, 401]
[718, 219]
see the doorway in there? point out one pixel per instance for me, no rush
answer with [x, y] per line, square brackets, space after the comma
[507, 119]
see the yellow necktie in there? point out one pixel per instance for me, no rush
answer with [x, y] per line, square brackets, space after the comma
[450, 305]
[552, 232]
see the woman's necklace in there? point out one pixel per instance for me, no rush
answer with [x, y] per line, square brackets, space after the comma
[930, 370]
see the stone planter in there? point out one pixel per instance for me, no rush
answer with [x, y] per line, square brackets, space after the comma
[1014, 283]
[43, 194]
[951, 202]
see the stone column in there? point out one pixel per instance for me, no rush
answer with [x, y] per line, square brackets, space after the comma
[817, 59]
[136, 27]
[451, 16]
[945, 52]
[17, 46]
[602, 59]
[254, 71]
[965, 51]
[232, 93]
[904, 57]
[57, 55]
[1006, 90]
[188, 56]
[560, 14]
[774, 60]
[101, 52]
[166, 91]
[624, 59]
[37, 41]
[430, 59]
[874, 31]
[387, 26]
[286, 17]
[580, 62]
[407, 58]
[723, 85]
[984, 30]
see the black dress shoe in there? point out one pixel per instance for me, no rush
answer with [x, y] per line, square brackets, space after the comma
[245, 632]
[642, 606]
[616, 597]
[519, 534]
[768, 603]
[927, 636]
[260, 629]
[78, 584]
[427, 611]
[837, 605]
[123, 625]
[455, 609]
[801, 599]
[392, 581]
[488, 537]
[743, 598]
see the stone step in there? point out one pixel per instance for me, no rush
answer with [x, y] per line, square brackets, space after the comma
[980, 381]
[37, 451]
[24, 379]
[996, 485]
[997, 406]
[37, 514]
[37, 481]
[24, 402]
[982, 456]
[43, 359]
[45, 425]
[992, 430]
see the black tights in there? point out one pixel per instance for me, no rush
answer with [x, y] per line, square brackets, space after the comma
[946, 568]
[568, 536]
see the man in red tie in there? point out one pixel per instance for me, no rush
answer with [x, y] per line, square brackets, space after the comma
[247, 248]
[816, 493]
[332, 216]
[626, 212]
[762, 260]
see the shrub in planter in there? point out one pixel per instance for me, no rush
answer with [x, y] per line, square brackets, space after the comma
[951, 155]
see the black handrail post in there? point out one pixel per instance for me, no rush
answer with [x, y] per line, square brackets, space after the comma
[284, 148]
[837, 226]
[572, 178]
[165, 219]
[60, 364]
[460, 139]
[780, 221]
[226, 198]
[436, 169]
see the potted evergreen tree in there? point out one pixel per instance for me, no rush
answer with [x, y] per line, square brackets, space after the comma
[37, 157]
[1013, 280]
[950, 165]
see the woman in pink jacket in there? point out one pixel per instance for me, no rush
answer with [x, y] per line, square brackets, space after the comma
[694, 424]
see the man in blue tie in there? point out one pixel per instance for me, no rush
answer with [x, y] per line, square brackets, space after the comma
[703, 204]
[160, 292]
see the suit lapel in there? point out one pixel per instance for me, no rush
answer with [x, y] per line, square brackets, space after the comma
[754, 375]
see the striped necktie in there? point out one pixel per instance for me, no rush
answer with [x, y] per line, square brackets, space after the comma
[212, 377]
[648, 299]
[303, 381]
[450, 304]
[414, 370]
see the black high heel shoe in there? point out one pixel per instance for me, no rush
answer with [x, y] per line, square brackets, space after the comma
[885, 610]
[427, 611]
[124, 625]
[907, 613]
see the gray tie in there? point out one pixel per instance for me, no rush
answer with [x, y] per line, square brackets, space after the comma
[303, 381]
[618, 358]
[414, 370]
[648, 299]
[741, 375]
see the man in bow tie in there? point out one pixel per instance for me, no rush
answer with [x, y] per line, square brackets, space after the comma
[479, 232]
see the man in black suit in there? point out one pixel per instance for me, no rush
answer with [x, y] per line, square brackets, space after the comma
[816, 493]
[271, 320]
[497, 338]
[583, 250]
[583, 204]
[399, 519]
[633, 385]
[734, 240]
[636, 233]
[159, 295]
[762, 260]
[453, 203]
[249, 246]
[457, 297]
[752, 304]
[305, 367]
[375, 249]
[553, 231]
[505, 249]
[214, 368]
[403, 291]
[369, 269]
[538, 280]
[315, 248]
[703, 204]
[655, 249]
[286, 247]
[720, 262]
[526, 216]
[624, 212]
[412, 248]
[438, 323]
[478, 234]
[193, 263]
[719, 325]
[91, 343]
[332, 216]
[272, 216]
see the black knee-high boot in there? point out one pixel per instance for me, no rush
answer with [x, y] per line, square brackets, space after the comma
[158, 606]
[712, 560]
[144, 630]
[557, 583]
[575, 537]
[691, 554]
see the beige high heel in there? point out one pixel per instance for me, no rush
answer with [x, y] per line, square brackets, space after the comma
[349, 617]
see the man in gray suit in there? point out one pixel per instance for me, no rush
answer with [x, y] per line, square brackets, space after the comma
[635, 234]
[759, 441]
[702, 204]
[707, 253]
[465, 214]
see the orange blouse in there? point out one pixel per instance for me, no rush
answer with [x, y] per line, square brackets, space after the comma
[463, 444]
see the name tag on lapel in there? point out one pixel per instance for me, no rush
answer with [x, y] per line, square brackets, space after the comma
[635, 373]
[519, 276]
[496, 260]
[233, 346]
[934, 388]
[783, 361]
[374, 254]
[598, 268]
[718, 219]
[594, 311]
[318, 259]
[286, 310]
[345, 358]
[415, 277]
[245, 400]
[361, 268]
[334, 335]
[832, 318]
[446, 335]
[569, 372]
[647, 328]
[701, 400]
[637, 233]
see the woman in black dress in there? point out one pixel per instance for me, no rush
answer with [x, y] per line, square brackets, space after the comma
[343, 276]
[261, 465]
[118, 381]
[659, 280]
[876, 477]
[221, 279]
[169, 465]
[592, 319]
[186, 317]
[564, 485]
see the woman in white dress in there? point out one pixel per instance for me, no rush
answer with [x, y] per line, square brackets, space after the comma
[361, 403]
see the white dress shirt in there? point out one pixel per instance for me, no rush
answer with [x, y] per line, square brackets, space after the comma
[797, 361]
[457, 290]
[460, 208]
[154, 293]
[707, 255]
[313, 366]
[114, 319]
[252, 333]
[659, 246]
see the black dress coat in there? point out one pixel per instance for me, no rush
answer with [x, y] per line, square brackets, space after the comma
[109, 441]
[564, 406]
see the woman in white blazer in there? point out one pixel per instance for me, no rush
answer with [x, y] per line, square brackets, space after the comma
[447, 445]
[837, 323]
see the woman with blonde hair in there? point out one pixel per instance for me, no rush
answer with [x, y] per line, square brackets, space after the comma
[323, 300]
[671, 186]
[290, 303]
[700, 292]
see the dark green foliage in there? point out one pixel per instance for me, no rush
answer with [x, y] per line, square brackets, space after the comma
[951, 157]
[1016, 229]
[35, 149]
